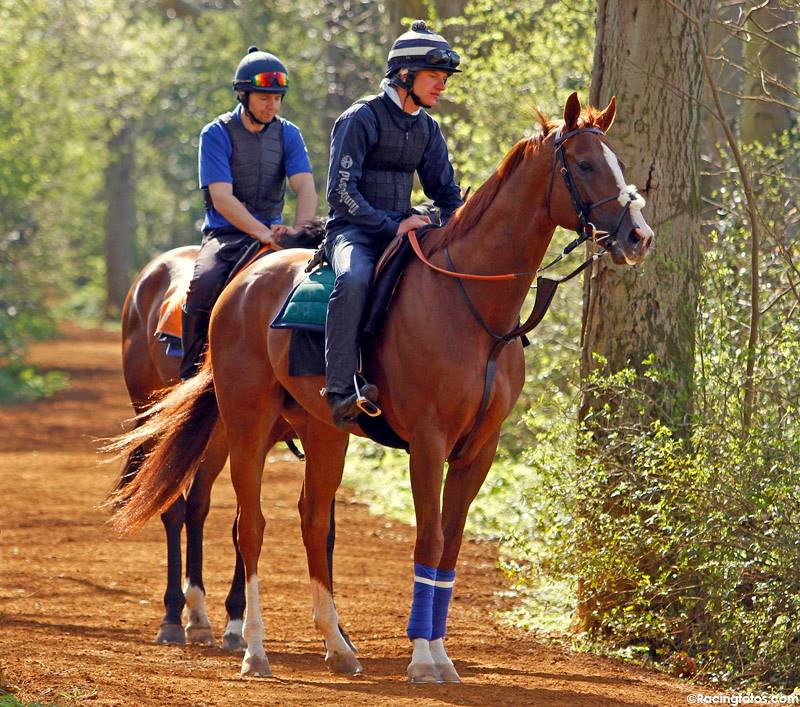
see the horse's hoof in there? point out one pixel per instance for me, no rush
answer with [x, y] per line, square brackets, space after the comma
[448, 672]
[421, 673]
[171, 633]
[200, 635]
[233, 642]
[256, 666]
[343, 664]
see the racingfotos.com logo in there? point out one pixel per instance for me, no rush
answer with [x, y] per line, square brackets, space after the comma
[749, 699]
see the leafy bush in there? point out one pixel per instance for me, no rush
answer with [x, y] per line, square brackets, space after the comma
[20, 383]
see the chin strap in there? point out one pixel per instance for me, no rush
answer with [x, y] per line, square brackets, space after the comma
[407, 86]
[246, 103]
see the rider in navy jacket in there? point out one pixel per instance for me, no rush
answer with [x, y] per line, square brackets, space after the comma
[376, 147]
[354, 135]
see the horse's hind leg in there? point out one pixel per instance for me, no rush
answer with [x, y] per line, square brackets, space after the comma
[249, 416]
[232, 639]
[325, 448]
[198, 627]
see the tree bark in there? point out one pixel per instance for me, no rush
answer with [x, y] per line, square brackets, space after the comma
[120, 222]
[646, 54]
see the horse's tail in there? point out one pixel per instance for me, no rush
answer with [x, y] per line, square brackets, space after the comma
[178, 429]
[133, 463]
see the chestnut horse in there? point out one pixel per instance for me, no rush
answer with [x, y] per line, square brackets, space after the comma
[429, 365]
[148, 370]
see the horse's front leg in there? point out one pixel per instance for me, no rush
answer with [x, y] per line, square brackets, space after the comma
[325, 448]
[464, 480]
[198, 501]
[232, 639]
[171, 630]
[426, 463]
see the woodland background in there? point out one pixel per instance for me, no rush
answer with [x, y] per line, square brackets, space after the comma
[646, 491]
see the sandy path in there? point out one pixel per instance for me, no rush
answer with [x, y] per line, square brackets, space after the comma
[79, 608]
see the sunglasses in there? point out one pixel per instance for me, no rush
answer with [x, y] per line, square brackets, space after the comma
[270, 78]
[443, 56]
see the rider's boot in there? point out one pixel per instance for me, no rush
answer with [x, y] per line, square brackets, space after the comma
[194, 334]
[346, 407]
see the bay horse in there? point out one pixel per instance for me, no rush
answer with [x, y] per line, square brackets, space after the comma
[429, 364]
[149, 370]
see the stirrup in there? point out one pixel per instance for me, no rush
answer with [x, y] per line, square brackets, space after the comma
[363, 403]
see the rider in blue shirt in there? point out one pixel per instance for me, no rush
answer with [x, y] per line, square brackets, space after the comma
[245, 158]
[376, 147]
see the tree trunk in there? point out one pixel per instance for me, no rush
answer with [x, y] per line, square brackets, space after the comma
[772, 73]
[646, 54]
[120, 223]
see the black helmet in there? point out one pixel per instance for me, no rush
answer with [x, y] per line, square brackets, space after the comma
[420, 48]
[262, 72]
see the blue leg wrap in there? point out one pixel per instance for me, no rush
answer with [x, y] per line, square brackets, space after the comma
[420, 622]
[442, 592]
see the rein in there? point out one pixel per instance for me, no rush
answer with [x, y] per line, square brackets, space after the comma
[545, 287]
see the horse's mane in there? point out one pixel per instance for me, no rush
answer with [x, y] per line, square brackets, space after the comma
[468, 214]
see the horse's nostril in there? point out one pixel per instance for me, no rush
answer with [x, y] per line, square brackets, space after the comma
[639, 237]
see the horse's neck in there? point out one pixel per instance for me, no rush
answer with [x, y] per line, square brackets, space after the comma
[511, 237]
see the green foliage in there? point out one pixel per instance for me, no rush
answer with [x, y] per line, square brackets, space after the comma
[24, 383]
[524, 55]
[688, 544]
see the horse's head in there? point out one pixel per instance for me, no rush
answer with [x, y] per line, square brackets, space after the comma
[587, 190]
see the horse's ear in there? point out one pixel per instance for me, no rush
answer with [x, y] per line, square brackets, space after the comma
[606, 117]
[572, 111]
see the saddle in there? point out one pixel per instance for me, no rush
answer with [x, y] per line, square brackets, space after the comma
[305, 309]
[169, 327]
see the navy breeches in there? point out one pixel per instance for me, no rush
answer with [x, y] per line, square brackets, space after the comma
[352, 255]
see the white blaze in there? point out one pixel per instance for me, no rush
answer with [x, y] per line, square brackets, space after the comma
[627, 193]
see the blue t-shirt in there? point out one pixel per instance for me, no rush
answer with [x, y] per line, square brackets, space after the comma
[214, 160]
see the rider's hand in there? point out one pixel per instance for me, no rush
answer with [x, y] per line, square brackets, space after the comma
[412, 222]
[266, 237]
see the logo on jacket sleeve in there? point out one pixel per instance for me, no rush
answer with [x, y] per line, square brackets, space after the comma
[346, 162]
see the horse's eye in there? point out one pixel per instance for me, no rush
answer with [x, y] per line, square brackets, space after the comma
[585, 166]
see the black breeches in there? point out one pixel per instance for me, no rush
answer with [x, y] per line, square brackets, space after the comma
[217, 258]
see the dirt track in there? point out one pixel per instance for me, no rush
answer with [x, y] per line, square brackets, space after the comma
[79, 608]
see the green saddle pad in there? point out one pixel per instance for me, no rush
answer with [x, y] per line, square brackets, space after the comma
[307, 305]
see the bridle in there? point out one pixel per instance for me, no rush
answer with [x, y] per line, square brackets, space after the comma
[585, 228]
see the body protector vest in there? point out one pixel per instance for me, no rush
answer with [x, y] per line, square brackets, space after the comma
[388, 170]
[259, 176]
